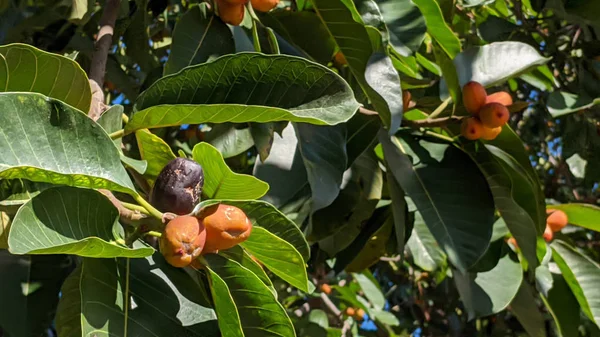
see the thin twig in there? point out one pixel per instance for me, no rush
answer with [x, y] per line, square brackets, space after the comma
[128, 216]
[334, 310]
[421, 123]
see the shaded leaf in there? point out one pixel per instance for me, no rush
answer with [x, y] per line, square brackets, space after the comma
[239, 255]
[437, 27]
[199, 36]
[231, 140]
[220, 181]
[561, 103]
[525, 309]
[371, 290]
[29, 69]
[405, 24]
[425, 251]
[154, 151]
[244, 305]
[563, 306]
[381, 75]
[273, 88]
[51, 149]
[68, 220]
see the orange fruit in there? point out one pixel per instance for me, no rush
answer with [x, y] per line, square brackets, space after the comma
[473, 95]
[360, 314]
[501, 97]
[471, 128]
[556, 220]
[490, 133]
[326, 288]
[493, 115]
[340, 59]
[226, 226]
[182, 240]
[406, 96]
[548, 234]
[264, 5]
[350, 311]
[512, 241]
[231, 13]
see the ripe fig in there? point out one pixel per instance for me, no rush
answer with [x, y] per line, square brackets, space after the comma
[494, 115]
[501, 97]
[556, 220]
[230, 12]
[226, 226]
[490, 133]
[264, 5]
[182, 241]
[473, 95]
[178, 187]
[471, 128]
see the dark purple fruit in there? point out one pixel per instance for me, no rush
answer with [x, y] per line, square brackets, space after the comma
[178, 187]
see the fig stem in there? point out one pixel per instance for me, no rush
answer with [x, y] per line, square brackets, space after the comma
[135, 207]
[154, 233]
[125, 118]
[255, 37]
[153, 211]
[440, 108]
[117, 134]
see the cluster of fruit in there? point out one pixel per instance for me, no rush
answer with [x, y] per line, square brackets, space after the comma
[177, 190]
[357, 314]
[555, 222]
[232, 11]
[489, 113]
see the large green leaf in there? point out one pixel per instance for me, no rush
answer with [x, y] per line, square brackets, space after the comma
[583, 276]
[582, 215]
[45, 140]
[405, 24]
[437, 27]
[370, 289]
[435, 176]
[69, 220]
[561, 103]
[29, 291]
[239, 255]
[232, 140]
[246, 87]
[220, 181]
[155, 151]
[487, 293]
[503, 183]
[279, 256]
[494, 63]
[29, 69]
[199, 36]
[349, 32]
[167, 301]
[244, 305]
[562, 305]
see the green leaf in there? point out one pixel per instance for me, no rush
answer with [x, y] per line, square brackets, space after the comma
[273, 88]
[69, 220]
[155, 151]
[562, 103]
[139, 166]
[385, 317]
[434, 176]
[582, 215]
[29, 291]
[239, 255]
[563, 306]
[231, 140]
[244, 305]
[279, 256]
[437, 27]
[4, 230]
[405, 24]
[199, 37]
[425, 250]
[349, 32]
[371, 290]
[167, 300]
[112, 120]
[220, 181]
[29, 69]
[323, 150]
[490, 292]
[503, 184]
[319, 317]
[583, 276]
[524, 307]
[381, 75]
[449, 72]
[494, 63]
[45, 140]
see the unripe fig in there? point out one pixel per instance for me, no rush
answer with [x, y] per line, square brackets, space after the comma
[548, 234]
[182, 240]
[501, 97]
[178, 187]
[473, 95]
[326, 288]
[226, 226]
[556, 220]
[490, 133]
[350, 311]
[264, 5]
[471, 128]
[494, 115]
[360, 314]
[231, 13]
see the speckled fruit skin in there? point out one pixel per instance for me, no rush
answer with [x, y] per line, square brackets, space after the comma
[473, 95]
[264, 5]
[556, 220]
[226, 226]
[178, 187]
[182, 241]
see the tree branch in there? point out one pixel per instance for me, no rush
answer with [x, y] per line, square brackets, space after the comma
[128, 216]
[421, 123]
[100, 55]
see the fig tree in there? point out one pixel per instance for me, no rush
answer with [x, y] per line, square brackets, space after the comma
[178, 187]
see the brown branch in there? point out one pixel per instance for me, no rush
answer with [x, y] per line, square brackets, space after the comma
[421, 123]
[127, 216]
[101, 47]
